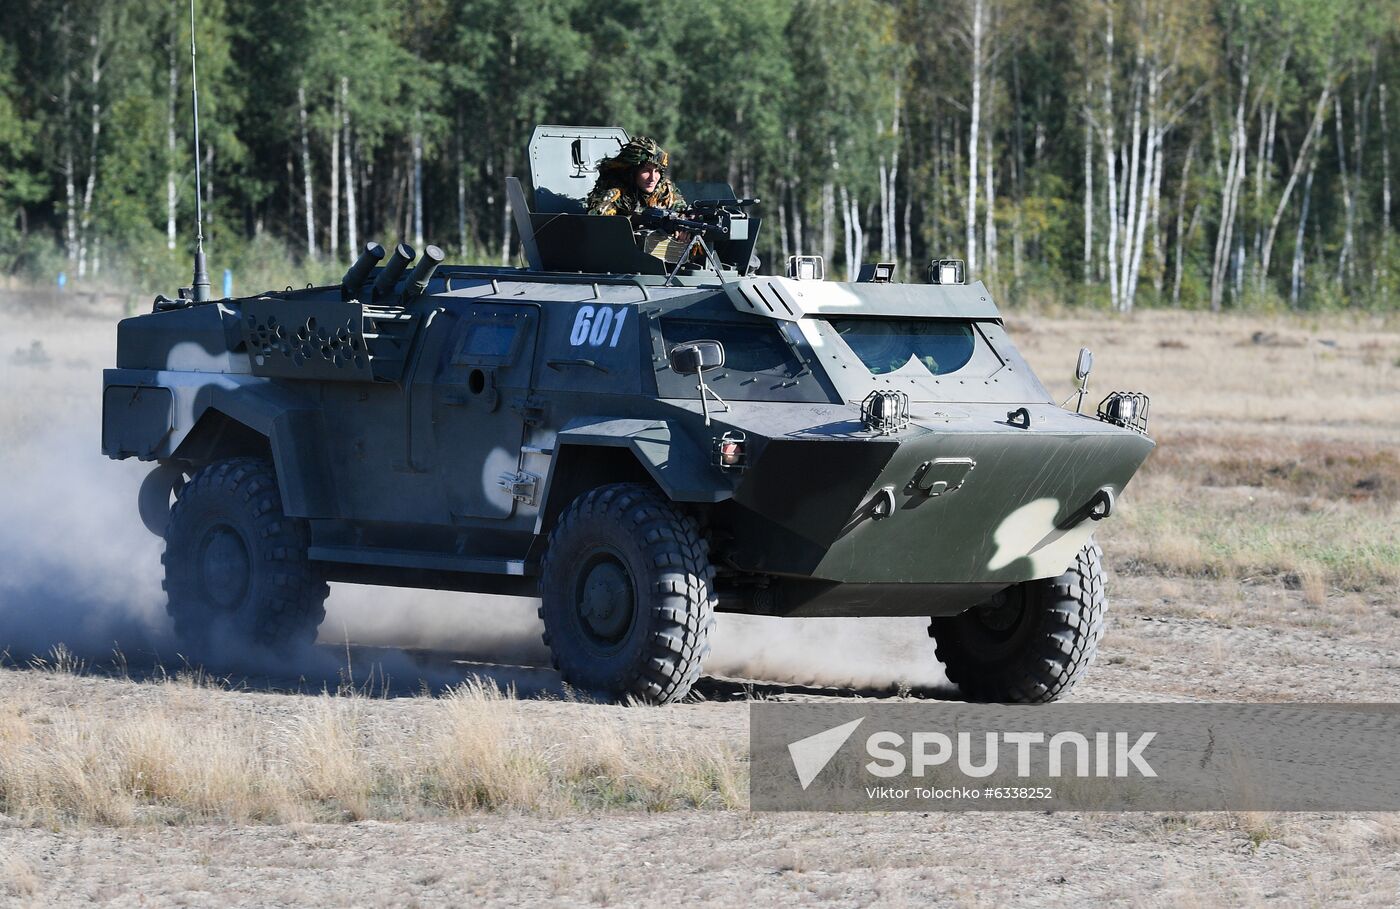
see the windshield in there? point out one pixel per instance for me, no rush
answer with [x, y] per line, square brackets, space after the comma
[888, 345]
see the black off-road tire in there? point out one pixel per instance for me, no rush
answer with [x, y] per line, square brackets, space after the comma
[627, 595]
[1032, 644]
[236, 570]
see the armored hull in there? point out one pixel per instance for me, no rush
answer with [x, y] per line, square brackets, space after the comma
[639, 450]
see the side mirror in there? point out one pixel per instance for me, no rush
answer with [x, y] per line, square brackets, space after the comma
[1081, 370]
[694, 357]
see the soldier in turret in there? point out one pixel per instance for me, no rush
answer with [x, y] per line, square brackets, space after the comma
[633, 180]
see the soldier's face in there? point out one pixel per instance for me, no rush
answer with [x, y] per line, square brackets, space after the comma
[648, 176]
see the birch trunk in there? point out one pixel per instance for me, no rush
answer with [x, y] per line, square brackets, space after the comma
[1263, 172]
[490, 204]
[70, 197]
[846, 233]
[1296, 284]
[799, 241]
[351, 215]
[1230, 193]
[1360, 115]
[882, 178]
[1134, 161]
[1343, 257]
[172, 195]
[1385, 165]
[974, 127]
[335, 183]
[308, 197]
[70, 189]
[418, 191]
[989, 229]
[1385, 201]
[908, 237]
[1110, 154]
[1304, 156]
[506, 214]
[892, 246]
[1088, 194]
[859, 239]
[783, 245]
[828, 222]
[1159, 258]
[1185, 181]
[461, 170]
[94, 135]
[1137, 228]
[784, 238]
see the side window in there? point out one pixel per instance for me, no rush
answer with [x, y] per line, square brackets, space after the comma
[752, 347]
[489, 341]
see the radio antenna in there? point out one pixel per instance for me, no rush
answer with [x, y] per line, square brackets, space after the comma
[201, 270]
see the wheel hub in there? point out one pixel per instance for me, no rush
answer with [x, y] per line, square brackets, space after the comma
[225, 566]
[605, 601]
[1001, 614]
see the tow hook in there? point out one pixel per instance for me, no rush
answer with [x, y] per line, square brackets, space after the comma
[1101, 505]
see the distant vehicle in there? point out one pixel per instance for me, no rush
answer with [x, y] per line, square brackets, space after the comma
[639, 441]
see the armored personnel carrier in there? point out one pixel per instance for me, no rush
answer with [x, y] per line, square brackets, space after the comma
[639, 442]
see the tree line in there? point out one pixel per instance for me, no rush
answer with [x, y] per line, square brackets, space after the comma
[1199, 153]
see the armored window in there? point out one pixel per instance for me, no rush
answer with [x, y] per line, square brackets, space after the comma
[890, 345]
[756, 347]
[487, 340]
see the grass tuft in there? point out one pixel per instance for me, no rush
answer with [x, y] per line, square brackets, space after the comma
[173, 760]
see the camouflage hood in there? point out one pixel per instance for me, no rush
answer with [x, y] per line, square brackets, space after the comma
[616, 191]
[638, 151]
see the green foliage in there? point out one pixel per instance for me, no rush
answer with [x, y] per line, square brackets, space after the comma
[806, 103]
[21, 184]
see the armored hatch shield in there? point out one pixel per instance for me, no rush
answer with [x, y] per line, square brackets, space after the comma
[563, 168]
[564, 163]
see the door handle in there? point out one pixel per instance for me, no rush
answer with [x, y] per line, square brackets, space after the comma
[557, 364]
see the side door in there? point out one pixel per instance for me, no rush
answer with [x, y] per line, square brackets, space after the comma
[481, 402]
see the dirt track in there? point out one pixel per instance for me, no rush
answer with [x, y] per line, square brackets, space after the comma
[78, 574]
[726, 858]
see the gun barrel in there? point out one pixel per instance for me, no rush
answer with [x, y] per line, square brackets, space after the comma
[423, 273]
[698, 226]
[389, 275]
[355, 278]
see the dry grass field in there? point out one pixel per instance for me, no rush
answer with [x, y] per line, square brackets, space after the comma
[420, 755]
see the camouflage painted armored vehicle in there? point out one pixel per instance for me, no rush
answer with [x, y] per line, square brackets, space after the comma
[640, 443]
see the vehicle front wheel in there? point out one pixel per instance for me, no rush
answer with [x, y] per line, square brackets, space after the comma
[627, 595]
[1032, 642]
[236, 568]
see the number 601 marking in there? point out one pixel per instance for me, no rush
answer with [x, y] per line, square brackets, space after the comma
[592, 325]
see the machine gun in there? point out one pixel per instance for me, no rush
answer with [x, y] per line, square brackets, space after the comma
[728, 218]
[709, 223]
[664, 219]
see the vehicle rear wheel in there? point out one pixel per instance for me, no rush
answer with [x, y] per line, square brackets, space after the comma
[1032, 642]
[236, 569]
[627, 595]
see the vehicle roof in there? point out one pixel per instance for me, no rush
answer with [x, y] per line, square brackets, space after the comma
[787, 299]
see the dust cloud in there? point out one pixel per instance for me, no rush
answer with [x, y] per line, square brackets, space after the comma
[78, 569]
